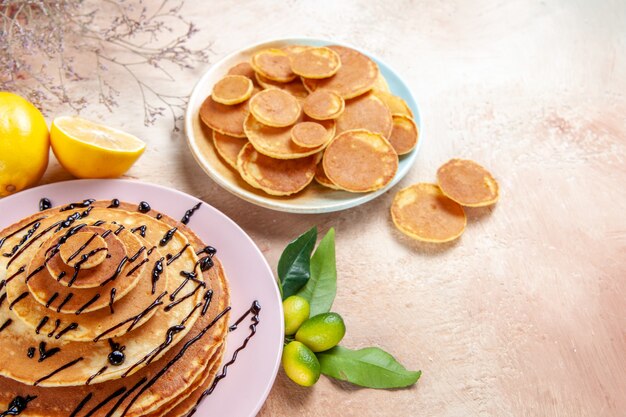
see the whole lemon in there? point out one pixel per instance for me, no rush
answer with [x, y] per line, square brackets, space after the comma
[24, 144]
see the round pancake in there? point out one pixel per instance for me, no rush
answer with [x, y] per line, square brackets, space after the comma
[244, 69]
[275, 176]
[404, 134]
[423, 212]
[46, 289]
[273, 64]
[85, 250]
[315, 63]
[356, 76]
[366, 112]
[232, 89]
[323, 105]
[116, 245]
[360, 161]
[395, 104]
[276, 108]
[228, 147]
[468, 183]
[76, 362]
[322, 178]
[276, 142]
[310, 135]
[295, 87]
[227, 120]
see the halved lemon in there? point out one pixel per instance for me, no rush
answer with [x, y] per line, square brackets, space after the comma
[92, 150]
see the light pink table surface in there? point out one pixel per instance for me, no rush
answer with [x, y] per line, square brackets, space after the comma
[526, 314]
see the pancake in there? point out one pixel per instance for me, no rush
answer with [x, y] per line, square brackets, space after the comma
[315, 63]
[360, 161]
[322, 178]
[310, 135]
[380, 84]
[404, 134]
[468, 183]
[295, 87]
[294, 49]
[228, 147]
[232, 89]
[160, 381]
[366, 112]
[276, 142]
[395, 104]
[423, 212]
[275, 176]
[227, 120]
[245, 69]
[357, 75]
[275, 108]
[142, 332]
[323, 105]
[273, 64]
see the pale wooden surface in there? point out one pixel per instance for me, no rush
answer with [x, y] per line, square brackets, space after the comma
[526, 314]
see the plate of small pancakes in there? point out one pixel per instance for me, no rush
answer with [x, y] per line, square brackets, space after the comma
[303, 125]
[120, 298]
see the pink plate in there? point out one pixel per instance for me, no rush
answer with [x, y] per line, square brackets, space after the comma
[249, 380]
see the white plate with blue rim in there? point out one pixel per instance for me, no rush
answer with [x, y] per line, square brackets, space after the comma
[249, 380]
[314, 198]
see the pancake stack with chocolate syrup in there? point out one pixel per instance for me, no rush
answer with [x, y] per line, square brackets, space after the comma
[109, 309]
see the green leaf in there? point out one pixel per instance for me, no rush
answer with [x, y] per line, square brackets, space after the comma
[321, 289]
[370, 367]
[294, 266]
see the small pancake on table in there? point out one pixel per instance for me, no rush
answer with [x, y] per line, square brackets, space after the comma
[276, 108]
[423, 212]
[357, 75]
[276, 142]
[227, 120]
[279, 177]
[360, 161]
[468, 183]
[404, 135]
[310, 135]
[395, 104]
[228, 147]
[315, 63]
[295, 87]
[366, 112]
[232, 89]
[323, 105]
[274, 64]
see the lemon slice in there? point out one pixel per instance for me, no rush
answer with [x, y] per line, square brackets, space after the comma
[92, 150]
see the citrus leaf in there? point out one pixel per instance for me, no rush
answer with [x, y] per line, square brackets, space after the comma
[294, 266]
[370, 367]
[321, 288]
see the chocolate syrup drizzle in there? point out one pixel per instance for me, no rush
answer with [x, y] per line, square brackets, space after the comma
[171, 258]
[143, 207]
[24, 238]
[6, 324]
[156, 273]
[56, 371]
[21, 229]
[115, 203]
[189, 213]
[168, 236]
[83, 204]
[142, 230]
[45, 354]
[45, 204]
[18, 405]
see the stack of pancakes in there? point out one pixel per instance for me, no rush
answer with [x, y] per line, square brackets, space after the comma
[108, 309]
[297, 113]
